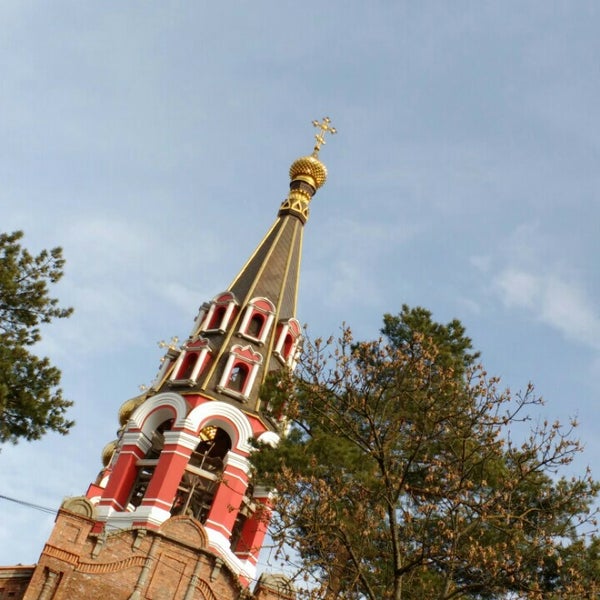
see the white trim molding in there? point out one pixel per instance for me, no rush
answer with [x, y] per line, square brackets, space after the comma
[227, 417]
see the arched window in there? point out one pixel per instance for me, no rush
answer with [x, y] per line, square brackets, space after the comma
[238, 376]
[219, 313]
[217, 318]
[240, 372]
[256, 324]
[197, 487]
[147, 465]
[191, 362]
[287, 341]
[257, 320]
[288, 345]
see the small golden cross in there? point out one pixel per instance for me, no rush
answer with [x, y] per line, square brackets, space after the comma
[324, 127]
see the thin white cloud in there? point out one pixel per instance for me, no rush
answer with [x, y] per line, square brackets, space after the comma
[559, 303]
[518, 288]
[566, 307]
[533, 272]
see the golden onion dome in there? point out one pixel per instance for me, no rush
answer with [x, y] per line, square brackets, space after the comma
[128, 407]
[108, 451]
[309, 169]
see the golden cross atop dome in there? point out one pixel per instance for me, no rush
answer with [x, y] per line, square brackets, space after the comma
[324, 127]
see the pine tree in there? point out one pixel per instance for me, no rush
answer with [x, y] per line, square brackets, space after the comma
[404, 475]
[31, 403]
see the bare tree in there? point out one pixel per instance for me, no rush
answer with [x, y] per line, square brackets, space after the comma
[407, 473]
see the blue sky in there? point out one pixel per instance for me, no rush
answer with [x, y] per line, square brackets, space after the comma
[152, 141]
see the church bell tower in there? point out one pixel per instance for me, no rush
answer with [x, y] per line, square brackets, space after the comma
[174, 512]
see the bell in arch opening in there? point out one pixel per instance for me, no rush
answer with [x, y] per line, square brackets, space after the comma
[202, 474]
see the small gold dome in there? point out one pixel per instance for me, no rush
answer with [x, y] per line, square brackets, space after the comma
[108, 451]
[309, 169]
[129, 406]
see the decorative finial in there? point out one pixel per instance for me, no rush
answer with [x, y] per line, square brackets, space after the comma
[324, 127]
[307, 175]
[172, 345]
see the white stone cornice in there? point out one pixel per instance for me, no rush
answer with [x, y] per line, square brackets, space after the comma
[264, 493]
[237, 461]
[138, 439]
[142, 514]
[221, 545]
[151, 413]
[227, 417]
[181, 438]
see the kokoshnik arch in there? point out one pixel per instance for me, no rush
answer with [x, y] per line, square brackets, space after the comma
[174, 513]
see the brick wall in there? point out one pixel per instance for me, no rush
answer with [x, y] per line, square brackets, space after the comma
[14, 581]
[171, 564]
